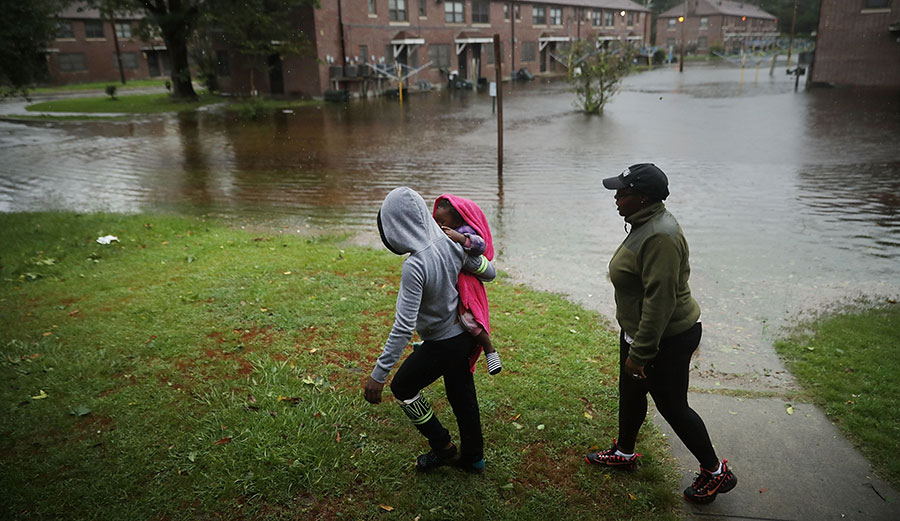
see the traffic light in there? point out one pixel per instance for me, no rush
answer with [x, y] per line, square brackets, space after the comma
[680, 19]
[743, 18]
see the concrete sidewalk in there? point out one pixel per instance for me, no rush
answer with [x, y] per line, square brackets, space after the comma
[795, 467]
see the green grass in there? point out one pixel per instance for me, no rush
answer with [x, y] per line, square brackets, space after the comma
[849, 363]
[133, 104]
[271, 104]
[99, 85]
[196, 371]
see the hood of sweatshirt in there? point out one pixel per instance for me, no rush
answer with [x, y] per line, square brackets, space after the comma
[405, 224]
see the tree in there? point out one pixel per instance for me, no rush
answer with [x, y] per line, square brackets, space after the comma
[26, 29]
[260, 29]
[177, 20]
[595, 74]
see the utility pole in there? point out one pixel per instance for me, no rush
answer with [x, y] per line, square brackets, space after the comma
[513, 7]
[498, 57]
[112, 22]
[791, 44]
[681, 20]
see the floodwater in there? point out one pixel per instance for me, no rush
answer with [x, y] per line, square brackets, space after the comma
[790, 200]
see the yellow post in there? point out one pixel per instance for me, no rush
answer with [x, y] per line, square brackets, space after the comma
[400, 81]
[758, 60]
[743, 62]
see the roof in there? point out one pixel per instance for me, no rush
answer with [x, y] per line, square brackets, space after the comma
[721, 7]
[617, 5]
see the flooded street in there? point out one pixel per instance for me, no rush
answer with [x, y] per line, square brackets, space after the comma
[790, 201]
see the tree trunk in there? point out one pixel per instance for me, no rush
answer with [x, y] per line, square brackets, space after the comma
[176, 43]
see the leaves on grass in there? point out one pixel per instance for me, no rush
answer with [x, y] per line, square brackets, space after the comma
[788, 408]
[387, 508]
[293, 400]
[40, 396]
[589, 416]
[632, 496]
[224, 441]
[81, 410]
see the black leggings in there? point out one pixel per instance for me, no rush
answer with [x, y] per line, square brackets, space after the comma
[448, 358]
[667, 383]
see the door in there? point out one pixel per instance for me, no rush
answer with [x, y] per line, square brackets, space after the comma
[544, 59]
[462, 58]
[276, 75]
[153, 64]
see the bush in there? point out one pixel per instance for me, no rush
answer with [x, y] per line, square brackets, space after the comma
[111, 91]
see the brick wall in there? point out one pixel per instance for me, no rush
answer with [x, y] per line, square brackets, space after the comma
[854, 45]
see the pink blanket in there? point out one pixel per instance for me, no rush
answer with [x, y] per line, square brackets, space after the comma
[472, 295]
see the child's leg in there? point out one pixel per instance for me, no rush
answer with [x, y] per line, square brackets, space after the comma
[484, 340]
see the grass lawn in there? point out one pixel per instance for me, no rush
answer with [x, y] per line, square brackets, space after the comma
[99, 85]
[197, 371]
[849, 363]
[133, 104]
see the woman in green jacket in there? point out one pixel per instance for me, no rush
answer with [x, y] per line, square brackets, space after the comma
[660, 329]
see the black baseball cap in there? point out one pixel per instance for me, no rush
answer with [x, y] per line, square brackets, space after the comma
[645, 178]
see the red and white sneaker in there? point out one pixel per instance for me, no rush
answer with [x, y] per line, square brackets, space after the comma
[706, 486]
[609, 458]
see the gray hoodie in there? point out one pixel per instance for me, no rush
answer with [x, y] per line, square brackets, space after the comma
[427, 300]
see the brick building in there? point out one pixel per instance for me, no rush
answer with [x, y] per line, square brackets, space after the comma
[85, 49]
[710, 24]
[353, 37]
[858, 43]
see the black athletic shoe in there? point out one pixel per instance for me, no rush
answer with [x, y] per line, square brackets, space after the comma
[437, 458]
[475, 467]
[706, 486]
[609, 458]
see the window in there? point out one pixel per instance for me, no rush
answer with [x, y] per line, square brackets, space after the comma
[223, 68]
[439, 53]
[72, 62]
[670, 42]
[423, 8]
[555, 16]
[129, 60]
[529, 51]
[629, 19]
[454, 13]
[876, 4]
[364, 54]
[481, 10]
[704, 22]
[123, 30]
[506, 11]
[672, 23]
[610, 18]
[397, 10]
[539, 15]
[93, 29]
[596, 18]
[372, 7]
[64, 29]
[701, 42]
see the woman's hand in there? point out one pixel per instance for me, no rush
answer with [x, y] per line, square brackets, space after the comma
[454, 235]
[633, 370]
[372, 391]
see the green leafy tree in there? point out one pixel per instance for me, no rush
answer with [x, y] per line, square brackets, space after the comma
[259, 29]
[26, 30]
[595, 74]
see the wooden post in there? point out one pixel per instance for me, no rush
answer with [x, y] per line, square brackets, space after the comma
[400, 80]
[791, 44]
[499, 78]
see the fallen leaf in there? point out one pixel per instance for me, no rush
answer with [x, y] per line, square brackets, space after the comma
[263, 309]
[789, 409]
[516, 417]
[81, 410]
[731, 412]
[224, 441]
[589, 416]
[632, 496]
[540, 427]
[763, 490]
[40, 396]
[517, 425]
[48, 333]
[313, 350]
[338, 438]
[286, 273]
[386, 507]
[294, 399]
[73, 313]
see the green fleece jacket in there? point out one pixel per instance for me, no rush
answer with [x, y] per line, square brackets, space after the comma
[650, 272]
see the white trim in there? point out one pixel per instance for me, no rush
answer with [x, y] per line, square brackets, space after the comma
[409, 41]
[474, 40]
[555, 39]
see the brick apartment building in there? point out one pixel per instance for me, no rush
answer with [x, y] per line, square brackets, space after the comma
[85, 49]
[351, 37]
[858, 43]
[710, 24]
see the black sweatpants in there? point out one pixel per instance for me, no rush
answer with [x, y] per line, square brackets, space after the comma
[667, 383]
[448, 358]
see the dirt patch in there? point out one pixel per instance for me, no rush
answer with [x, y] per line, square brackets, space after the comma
[542, 467]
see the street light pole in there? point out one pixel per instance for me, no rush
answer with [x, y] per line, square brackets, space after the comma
[682, 20]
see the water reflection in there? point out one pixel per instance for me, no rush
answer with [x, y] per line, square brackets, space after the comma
[789, 200]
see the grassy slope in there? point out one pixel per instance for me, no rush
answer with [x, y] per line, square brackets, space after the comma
[127, 104]
[850, 363]
[196, 371]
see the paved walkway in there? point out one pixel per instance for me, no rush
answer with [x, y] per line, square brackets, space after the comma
[795, 467]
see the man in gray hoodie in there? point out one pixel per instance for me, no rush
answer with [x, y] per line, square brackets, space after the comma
[427, 302]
